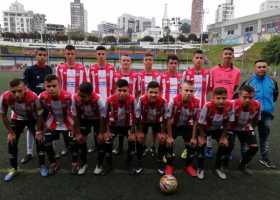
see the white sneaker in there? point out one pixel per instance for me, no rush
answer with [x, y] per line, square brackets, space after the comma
[200, 174]
[98, 170]
[221, 174]
[83, 169]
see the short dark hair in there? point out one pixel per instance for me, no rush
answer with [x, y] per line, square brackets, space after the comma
[70, 47]
[100, 48]
[153, 85]
[188, 82]
[172, 57]
[15, 82]
[41, 49]
[197, 51]
[122, 83]
[228, 49]
[260, 60]
[148, 54]
[51, 77]
[220, 91]
[247, 88]
[86, 88]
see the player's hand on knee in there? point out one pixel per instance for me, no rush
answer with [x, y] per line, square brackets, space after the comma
[80, 139]
[193, 141]
[223, 141]
[39, 136]
[11, 137]
[169, 141]
[161, 138]
[131, 137]
[100, 138]
[140, 137]
[201, 140]
[107, 136]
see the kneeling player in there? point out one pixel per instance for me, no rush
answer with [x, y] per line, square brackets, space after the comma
[150, 112]
[120, 118]
[24, 105]
[247, 114]
[59, 121]
[214, 121]
[183, 112]
[89, 111]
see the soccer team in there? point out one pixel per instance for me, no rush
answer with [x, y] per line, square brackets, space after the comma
[198, 105]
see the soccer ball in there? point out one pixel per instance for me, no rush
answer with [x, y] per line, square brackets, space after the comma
[168, 184]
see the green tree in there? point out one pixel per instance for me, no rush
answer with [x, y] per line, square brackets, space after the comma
[124, 39]
[109, 39]
[185, 28]
[182, 38]
[167, 39]
[147, 38]
[93, 38]
[271, 52]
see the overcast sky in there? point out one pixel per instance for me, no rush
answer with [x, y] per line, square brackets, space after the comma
[58, 11]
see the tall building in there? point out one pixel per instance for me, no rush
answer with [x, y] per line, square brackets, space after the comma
[225, 11]
[129, 24]
[106, 28]
[17, 20]
[270, 5]
[77, 16]
[197, 16]
[55, 28]
[86, 20]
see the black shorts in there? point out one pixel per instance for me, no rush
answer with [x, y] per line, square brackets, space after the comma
[51, 136]
[156, 128]
[215, 134]
[247, 137]
[86, 126]
[184, 131]
[120, 130]
[19, 125]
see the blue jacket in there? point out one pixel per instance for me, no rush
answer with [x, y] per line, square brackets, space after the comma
[266, 91]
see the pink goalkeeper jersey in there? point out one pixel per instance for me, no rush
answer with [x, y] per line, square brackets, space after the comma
[227, 78]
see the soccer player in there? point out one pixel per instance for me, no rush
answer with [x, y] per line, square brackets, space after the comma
[183, 113]
[150, 112]
[33, 78]
[247, 113]
[101, 75]
[224, 75]
[131, 77]
[120, 121]
[24, 105]
[59, 121]
[200, 76]
[145, 77]
[70, 75]
[171, 79]
[266, 93]
[214, 121]
[89, 111]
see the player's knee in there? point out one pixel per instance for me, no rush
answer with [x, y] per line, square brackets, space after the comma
[161, 138]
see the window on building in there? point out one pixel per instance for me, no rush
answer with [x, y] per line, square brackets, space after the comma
[249, 29]
[230, 32]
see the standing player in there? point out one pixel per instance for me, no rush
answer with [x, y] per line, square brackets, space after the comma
[224, 75]
[59, 121]
[70, 75]
[89, 111]
[33, 78]
[247, 113]
[150, 112]
[132, 79]
[120, 120]
[101, 76]
[24, 105]
[183, 113]
[200, 76]
[145, 77]
[214, 121]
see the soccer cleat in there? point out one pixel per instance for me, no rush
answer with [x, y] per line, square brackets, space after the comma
[91, 149]
[83, 169]
[169, 170]
[221, 174]
[53, 168]
[267, 163]
[75, 168]
[184, 154]
[200, 174]
[116, 152]
[146, 151]
[209, 152]
[64, 152]
[11, 174]
[139, 170]
[190, 170]
[153, 151]
[44, 171]
[244, 169]
[98, 170]
[26, 159]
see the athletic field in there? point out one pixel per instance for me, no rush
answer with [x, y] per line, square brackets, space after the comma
[118, 185]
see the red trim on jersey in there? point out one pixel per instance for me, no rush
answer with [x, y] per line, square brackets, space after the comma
[133, 81]
[165, 84]
[155, 75]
